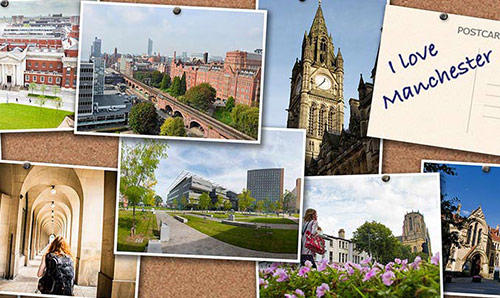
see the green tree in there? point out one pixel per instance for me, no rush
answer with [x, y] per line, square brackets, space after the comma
[173, 127]
[183, 84]
[143, 118]
[165, 82]
[137, 172]
[259, 206]
[201, 97]
[58, 102]
[289, 201]
[56, 89]
[204, 201]
[246, 119]
[267, 205]
[230, 104]
[42, 101]
[451, 221]
[156, 78]
[245, 200]
[378, 240]
[220, 202]
[158, 200]
[175, 88]
[33, 87]
[227, 205]
[43, 88]
[174, 203]
[184, 202]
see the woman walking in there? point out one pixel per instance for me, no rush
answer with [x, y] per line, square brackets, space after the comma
[310, 226]
[57, 270]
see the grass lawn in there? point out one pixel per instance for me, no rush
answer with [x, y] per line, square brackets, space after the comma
[146, 229]
[281, 241]
[223, 116]
[17, 116]
[215, 215]
[270, 220]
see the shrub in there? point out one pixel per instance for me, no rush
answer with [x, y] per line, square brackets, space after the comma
[143, 118]
[369, 279]
[173, 127]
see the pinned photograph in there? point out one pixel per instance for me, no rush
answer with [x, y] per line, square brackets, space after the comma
[161, 71]
[362, 235]
[57, 230]
[216, 201]
[470, 227]
[38, 64]
[321, 80]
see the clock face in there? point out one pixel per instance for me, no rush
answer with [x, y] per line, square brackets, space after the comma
[323, 82]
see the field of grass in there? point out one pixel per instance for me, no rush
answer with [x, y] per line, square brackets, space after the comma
[215, 215]
[279, 241]
[270, 220]
[17, 116]
[146, 229]
[223, 116]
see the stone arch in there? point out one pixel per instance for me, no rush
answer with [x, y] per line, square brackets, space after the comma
[196, 124]
[178, 114]
[168, 110]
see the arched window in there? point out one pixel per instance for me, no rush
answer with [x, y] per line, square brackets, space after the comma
[469, 234]
[331, 119]
[312, 119]
[474, 234]
[411, 224]
[323, 45]
[479, 236]
[322, 122]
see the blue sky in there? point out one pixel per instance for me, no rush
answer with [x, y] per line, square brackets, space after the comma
[41, 7]
[355, 26]
[346, 202]
[227, 163]
[475, 188]
[128, 28]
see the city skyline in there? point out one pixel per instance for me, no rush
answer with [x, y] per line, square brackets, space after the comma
[337, 198]
[355, 27]
[35, 8]
[474, 188]
[227, 164]
[118, 24]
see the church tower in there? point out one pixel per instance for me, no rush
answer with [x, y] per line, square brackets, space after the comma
[415, 232]
[317, 87]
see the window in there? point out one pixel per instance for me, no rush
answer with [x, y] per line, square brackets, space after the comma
[312, 119]
[43, 65]
[29, 64]
[58, 80]
[36, 64]
[42, 79]
[27, 78]
[49, 80]
[34, 78]
[50, 65]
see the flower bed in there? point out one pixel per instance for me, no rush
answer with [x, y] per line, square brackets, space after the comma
[43, 96]
[368, 279]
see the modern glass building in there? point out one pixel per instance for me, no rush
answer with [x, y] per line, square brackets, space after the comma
[266, 184]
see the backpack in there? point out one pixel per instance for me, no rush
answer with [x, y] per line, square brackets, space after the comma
[59, 276]
[314, 243]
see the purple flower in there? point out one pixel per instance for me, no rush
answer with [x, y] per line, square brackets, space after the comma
[308, 263]
[321, 290]
[435, 259]
[397, 261]
[370, 274]
[271, 268]
[416, 263]
[321, 266]
[290, 296]
[343, 277]
[299, 292]
[303, 270]
[366, 261]
[389, 266]
[281, 273]
[263, 282]
[403, 264]
[335, 266]
[387, 278]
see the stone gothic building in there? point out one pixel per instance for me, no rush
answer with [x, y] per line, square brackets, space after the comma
[479, 251]
[317, 105]
[415, 232]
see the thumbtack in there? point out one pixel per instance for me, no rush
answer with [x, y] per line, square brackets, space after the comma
[443, 16]
[486, 169]
[386, 178]
[4, 3]
[177, 10]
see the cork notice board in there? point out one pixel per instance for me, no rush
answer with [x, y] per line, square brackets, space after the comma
[169, 277]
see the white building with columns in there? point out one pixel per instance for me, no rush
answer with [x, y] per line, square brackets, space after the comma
[13, 66]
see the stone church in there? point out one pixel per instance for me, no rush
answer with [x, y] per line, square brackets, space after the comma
[479, 251]
[415, 233]
[317, 105]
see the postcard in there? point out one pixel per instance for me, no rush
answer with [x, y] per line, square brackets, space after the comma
[438, 81]
[320, 70]
[56, 233]
[470, 225]
[38, 64]
[216, 201]
[352, 246]
[155, 71]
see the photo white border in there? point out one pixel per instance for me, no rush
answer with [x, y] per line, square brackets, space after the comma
[462, 163]
[158, 137]
[213, 257]
[15, 162]
[257, 277]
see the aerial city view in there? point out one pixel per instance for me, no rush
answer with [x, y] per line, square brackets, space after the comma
[38, 60]
[225, 200]
[167, 85]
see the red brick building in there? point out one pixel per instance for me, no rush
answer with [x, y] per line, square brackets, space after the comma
[239, 76]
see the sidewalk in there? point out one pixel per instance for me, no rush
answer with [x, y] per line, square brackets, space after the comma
[464, 285]
[68, 99]
[270, 225]
[188, 241]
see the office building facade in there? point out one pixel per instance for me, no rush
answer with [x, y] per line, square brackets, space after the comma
[266, 184]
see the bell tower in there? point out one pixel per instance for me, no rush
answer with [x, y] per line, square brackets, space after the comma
[317, 87]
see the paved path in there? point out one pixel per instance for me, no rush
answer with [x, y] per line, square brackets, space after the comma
[67, 97]
[272, 226]
[27, 282]
[188, 241]
[464, 285]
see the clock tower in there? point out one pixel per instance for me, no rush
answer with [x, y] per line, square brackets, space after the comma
[317, 84]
